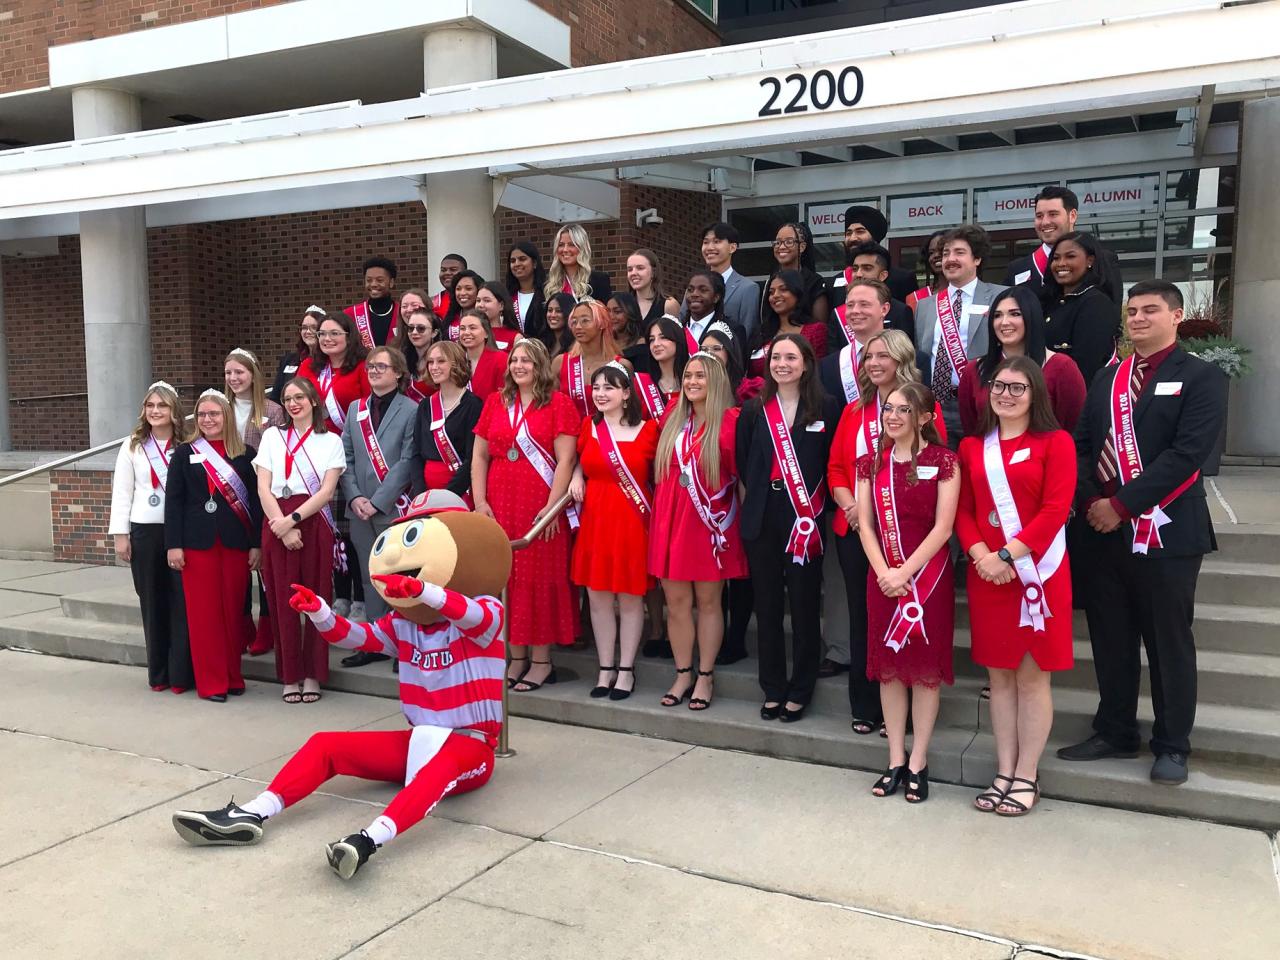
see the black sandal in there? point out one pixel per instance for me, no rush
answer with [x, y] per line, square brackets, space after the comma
[670, 699]
[512, 681]
[528, 686]
[889, 781]
[615, 693]
[1020, 809]
[598, 692]
[988, 800]
[917, 785]
[698, 703]
[863, 728]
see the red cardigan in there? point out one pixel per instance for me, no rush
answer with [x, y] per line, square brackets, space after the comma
[347, 387]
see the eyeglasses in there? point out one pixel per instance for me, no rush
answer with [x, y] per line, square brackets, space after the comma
[785, 244]
[209, 415]
[1013, 389]
[377, 367]
[419, 328]
[330, 334]
[902, 410]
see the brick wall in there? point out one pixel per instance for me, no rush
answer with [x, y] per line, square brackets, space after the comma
[605, 31]
[81, 505]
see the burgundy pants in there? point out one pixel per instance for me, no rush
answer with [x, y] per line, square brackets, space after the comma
[300, 652]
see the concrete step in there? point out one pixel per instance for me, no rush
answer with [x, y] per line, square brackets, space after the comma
[1246, 584]
[1248, 542]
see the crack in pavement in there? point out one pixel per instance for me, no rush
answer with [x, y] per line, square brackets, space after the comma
[518, 913]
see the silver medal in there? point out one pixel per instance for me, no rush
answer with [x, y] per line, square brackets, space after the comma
[154, 500]
[513, 455]
[286, 492]
[993, 518]
[211, 506]
[684, 479]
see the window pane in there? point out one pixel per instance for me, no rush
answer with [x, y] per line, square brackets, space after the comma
[1126, 236]
[762, 223]
[754, 262]
[1204, 279]
[1182, 232]
[1199, 189]
[829, 257]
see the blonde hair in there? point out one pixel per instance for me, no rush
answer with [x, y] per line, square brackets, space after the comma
[142, 429]
[580, 283]
[599, 317]
[459, 362]
[257, 392]
[903, 352]
[719, 399]
[231, 438]
[544, 381]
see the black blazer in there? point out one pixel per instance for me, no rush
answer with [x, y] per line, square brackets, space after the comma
[186, 524]
[1114, 289]
[535, 322]
[755, 457]
[283, 376]
[1175, 434]
[460, 427]
[1084, 326]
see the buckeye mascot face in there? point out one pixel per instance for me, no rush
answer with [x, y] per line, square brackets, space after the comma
[440, 541]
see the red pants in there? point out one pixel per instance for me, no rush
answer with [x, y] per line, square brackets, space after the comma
[214, 582]
[300, 653]
[463, 764]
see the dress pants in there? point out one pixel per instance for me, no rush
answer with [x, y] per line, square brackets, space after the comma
[214, 582]
[737, 601]
[1131, 598]
[363, 533]
[864, 694]
[164, 612]
[462, 764]
[349, 584]
[951, 418]
[835, 642]
[771, 567]
[300, 651]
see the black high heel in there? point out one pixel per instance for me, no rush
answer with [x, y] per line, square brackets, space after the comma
[791, 716]
[770, 713]
[889, 781]
[598, 692]
[615, 693]
[670, 699]
[917, 785]
[528, 686]
[698, 703]
[512, 681]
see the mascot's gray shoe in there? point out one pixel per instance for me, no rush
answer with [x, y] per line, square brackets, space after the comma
[230, 826]
[349, 854]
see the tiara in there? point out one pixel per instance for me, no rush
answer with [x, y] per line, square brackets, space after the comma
[619, 365]
[705, 355]
[213, 392]
[314, 309]
[668, 316]
[161, 385]
[720, 327]
[242, 352]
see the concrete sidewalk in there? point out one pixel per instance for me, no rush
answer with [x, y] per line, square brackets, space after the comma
[586, 844]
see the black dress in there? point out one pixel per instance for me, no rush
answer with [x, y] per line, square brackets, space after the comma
[459, 426]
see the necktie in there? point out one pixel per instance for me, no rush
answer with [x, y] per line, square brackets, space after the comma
[1108, 467]
[942, 368]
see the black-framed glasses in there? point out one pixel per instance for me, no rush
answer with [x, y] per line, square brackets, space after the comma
[785, 244]
[1014, 390]
[377, 367]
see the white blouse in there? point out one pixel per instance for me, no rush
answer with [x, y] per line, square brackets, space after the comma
[131, 491]
[324, 450]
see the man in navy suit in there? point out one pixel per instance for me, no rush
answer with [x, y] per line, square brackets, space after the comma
[1148, 424]
[741, 296]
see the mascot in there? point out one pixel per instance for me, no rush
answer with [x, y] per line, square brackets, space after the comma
[440, 568]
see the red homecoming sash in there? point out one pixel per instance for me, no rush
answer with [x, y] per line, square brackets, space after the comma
[804, 543]
[708, 506]
[444, 446]
[413, 393]
[1040, 260]
[577, 383]
[869, 430]
[374, 449]
[651, 396]
[541, 461]
[1146, 528]
[331, 405]
[908, 619]
[690, 340]
[635, 494]
[225, 480]
[949, 325]
[440, 304]
[360, 314]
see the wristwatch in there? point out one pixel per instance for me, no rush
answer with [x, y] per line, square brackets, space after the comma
[296, 517]
[1004, 554]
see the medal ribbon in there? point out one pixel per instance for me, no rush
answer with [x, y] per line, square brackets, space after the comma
[908, 619]
[635, 494]
[804, 543]
[225, 480]
[444, 446]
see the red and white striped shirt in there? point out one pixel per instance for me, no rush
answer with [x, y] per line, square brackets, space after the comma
[451, 672]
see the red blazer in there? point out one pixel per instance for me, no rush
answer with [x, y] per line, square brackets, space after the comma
[488, 373]
[505, 337]
[347, 387]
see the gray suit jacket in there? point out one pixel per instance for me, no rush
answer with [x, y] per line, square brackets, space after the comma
[396, 438]
[927, 323]
[742, 302]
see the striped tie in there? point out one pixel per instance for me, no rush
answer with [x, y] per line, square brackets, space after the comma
[1108, 467]
[943, 389]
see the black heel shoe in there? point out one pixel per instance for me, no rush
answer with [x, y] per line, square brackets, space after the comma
[698, 703]
[528, 686]
[512, 681]
[670, 699]
[615, 693]
[917, 785]
[598, 692]
[889, 781]
[770, 713]
[791, 716]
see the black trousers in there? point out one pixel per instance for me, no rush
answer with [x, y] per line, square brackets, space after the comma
[864, 694]
[348, 585]
[1129, 599]
[164, 609]
[737, 601]
[771, 568]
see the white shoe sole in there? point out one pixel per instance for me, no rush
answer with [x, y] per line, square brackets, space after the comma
[343, 858]
[199, 831]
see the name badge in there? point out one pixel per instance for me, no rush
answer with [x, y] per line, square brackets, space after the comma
[1170, 388]
[437, 424]
[818, 426]
[1022, 277]
[926, 473]
[362, 415]
[291, 369]
[1020, 455]
[504, 346]
[198, 458]
[759, 354]
[977, 308]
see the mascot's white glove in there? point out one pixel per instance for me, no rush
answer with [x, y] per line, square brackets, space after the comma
[398, 587]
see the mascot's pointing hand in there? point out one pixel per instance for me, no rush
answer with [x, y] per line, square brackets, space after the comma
[303, 599]
[399, 586]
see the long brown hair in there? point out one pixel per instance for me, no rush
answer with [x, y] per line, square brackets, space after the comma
[544, 381]
[257, 389]
[719, 399]
[1042, 416]
[921, 400]
[811, 394]
[356, 350]
[319, 418]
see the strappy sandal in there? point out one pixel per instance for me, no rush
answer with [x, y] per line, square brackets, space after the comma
[889, 781]
[863, 728]
[311, 696]
[615, 693]
[671, 699]
[528, 686]
[294, 696]
[988, 800]
[917, 785]
[512, 681]
[598, 692]
[698, 703]
[1020, 809]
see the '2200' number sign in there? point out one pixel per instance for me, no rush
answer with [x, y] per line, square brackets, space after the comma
[821, 91]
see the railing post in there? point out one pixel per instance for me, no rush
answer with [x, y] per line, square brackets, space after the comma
[505, 749]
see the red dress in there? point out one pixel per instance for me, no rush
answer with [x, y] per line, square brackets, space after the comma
[347, 387]
[1063, 382]
[612, 548]
[680, 545]
[917, 663]
[488, 373]
[541, 603]
[504, 337]
[1043, 485]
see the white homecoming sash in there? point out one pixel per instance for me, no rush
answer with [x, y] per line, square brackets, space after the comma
[311, 480]
[331, 405]
[908, 619]
[444, 446]
[225, 479]
[159, 461]
[633, 491]
[849, 371]
[949, 325]
[717, 521]
[804, 543]
[1034, 605]
[374, 449]
[538, 458]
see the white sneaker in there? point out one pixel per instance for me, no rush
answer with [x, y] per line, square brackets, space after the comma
[357, 611]
[341, 607]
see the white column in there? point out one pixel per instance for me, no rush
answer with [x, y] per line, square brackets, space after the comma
[460, 205]
[113, 269]
[6, 432]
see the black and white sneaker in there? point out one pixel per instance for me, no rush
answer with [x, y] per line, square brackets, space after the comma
[349, 854]
[230, 826]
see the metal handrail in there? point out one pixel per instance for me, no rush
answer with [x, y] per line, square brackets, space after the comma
[504, 746]
[61, 462]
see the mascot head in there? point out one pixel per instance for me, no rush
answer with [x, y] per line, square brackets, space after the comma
[440, 541]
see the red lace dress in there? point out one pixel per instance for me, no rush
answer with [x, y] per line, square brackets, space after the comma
[541, 603]
[918, 662]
